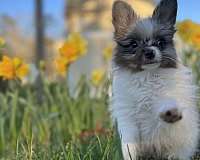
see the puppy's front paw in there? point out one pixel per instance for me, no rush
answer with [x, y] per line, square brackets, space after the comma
[129, 151]
[169, 111]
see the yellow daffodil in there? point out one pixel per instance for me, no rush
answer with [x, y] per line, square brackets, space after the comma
[16, 61]
[97, 76]
[2, 42]
[22, 71]
[73, 48]
[196, 41]
[107, 52]
[13, 68]
[6, 68]
[69, 52]
[80, 42]
[189, 31]
[61, 66]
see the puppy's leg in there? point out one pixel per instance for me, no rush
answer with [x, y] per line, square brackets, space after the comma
[129, 142]
[129, 151]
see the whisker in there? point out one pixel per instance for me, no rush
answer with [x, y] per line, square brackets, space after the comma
[174, 60]
[114, 69]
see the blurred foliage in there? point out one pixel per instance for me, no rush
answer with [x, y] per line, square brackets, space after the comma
[107, 52]
[68, 127]
[192, 58]
[2, 42]
[65, 125]
[97, 76]
[189, 31]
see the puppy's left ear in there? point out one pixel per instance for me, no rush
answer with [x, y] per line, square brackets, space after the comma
[123, 16]
[166, 12]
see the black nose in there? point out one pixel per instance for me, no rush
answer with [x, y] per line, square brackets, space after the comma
[171, 116]
[149, 54]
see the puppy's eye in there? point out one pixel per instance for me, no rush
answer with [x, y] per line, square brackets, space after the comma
[134, 44]
[160, 43]
[130, 44]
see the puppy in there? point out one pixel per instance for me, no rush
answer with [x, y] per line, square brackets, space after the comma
[154, 97]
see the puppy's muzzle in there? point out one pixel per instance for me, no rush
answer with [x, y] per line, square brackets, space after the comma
[171, 115]
[149, 54]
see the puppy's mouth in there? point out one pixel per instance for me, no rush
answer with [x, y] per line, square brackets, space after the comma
[151, 64]
[146, 65]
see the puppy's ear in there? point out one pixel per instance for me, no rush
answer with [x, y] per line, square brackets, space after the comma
[122, 17]
[166, 12]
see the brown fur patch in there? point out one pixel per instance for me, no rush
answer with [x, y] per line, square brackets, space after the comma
[123, 16]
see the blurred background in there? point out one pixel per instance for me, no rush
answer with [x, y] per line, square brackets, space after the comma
[36, 29]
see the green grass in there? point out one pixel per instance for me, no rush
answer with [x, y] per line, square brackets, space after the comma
[62, 126]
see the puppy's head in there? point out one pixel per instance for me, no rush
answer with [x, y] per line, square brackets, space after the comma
[145, 43]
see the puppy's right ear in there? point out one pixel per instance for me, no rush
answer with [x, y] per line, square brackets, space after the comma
[122, 17]
[166, 12]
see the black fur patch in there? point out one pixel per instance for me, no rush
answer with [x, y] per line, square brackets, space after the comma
[157, 32]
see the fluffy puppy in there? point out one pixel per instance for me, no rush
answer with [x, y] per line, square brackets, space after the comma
[154, 97]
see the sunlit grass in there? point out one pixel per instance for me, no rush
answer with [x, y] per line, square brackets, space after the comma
[63, 126]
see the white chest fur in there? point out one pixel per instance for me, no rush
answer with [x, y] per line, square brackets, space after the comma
[137, 100]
